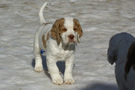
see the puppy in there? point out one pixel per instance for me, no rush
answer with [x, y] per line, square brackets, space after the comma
[118, 52]
[58, 40]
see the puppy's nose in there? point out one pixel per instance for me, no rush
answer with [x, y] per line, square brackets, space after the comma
[71, 36]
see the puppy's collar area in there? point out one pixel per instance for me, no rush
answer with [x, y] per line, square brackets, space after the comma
[42, 51]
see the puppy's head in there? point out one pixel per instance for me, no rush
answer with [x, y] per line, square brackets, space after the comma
[115, 45]
[67, 30]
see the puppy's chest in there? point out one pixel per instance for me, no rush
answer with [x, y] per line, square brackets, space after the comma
[62, 55]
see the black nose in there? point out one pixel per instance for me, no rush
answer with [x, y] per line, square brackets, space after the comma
[71, 36]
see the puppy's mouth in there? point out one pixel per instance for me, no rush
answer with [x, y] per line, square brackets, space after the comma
[71, 41]
[71, 38]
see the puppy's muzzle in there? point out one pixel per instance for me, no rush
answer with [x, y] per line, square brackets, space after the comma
[71, 37]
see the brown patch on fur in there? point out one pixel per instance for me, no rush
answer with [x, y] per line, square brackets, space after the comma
[57, 29]
[78, 28]
[47, 36]
[130, 59]
[44, 41]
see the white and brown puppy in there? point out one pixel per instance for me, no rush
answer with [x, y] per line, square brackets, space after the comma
[58, 40]
[118, 51]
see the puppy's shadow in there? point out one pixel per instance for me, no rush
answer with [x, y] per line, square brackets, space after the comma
[61, 65]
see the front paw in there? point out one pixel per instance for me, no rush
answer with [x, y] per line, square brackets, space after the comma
[38, 69]
[69, 81]
[57, 81]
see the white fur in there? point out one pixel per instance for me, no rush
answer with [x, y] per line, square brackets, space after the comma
[117, 52]
[54, 52]
[69, 26]
[41, 17]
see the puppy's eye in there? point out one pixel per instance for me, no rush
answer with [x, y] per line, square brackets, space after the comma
[64, 29]
[75, 29]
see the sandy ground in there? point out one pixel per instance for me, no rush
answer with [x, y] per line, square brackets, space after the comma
[100, 19]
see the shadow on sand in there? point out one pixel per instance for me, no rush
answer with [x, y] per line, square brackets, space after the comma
[61, 65]
[100, 86]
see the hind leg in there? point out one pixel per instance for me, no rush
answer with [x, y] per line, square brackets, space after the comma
[38, 63]
[38, 59]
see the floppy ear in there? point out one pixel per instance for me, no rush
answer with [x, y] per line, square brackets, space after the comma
[112, 52]
[78, 29]
[55, 31]
[130, 59]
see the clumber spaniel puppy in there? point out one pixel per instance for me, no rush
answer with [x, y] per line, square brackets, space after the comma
[58, 40]
[118, 52]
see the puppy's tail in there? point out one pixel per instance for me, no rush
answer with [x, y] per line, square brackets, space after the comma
[41, 17]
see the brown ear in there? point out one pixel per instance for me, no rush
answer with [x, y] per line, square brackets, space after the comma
[55, 31]
[78, 27]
